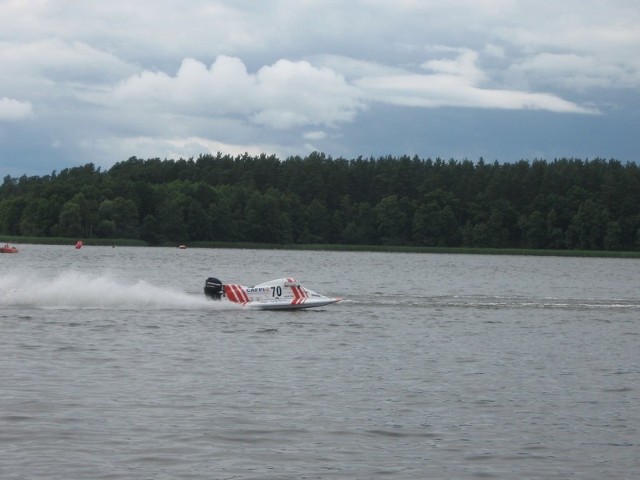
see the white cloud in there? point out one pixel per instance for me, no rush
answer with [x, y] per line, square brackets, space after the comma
[119, 148]
[315, 135]
[11, 109]
[463, 67]
[290, 94]
[446, 91]
[457, 83]
[299, 94]
[284, 95]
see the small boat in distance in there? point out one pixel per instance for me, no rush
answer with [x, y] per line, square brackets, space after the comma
[7, 249]
[279, 294]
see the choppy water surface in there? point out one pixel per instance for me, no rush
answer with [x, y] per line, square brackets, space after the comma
[113, 365]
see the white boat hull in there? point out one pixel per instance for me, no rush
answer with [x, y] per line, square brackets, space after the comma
[292, 306]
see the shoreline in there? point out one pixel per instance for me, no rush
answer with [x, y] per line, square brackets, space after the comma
[120, 242]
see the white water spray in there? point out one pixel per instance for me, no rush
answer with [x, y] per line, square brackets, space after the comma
[80, 290]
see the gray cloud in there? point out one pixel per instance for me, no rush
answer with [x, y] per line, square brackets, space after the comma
[99, 81]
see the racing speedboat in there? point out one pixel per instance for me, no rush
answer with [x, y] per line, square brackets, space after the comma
[279, 294]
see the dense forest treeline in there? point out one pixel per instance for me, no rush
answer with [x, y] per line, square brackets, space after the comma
[561, 204]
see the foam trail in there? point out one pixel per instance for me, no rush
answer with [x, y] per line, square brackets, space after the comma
[80, 290]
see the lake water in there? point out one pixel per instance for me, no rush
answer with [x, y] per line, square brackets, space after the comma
[113, 365]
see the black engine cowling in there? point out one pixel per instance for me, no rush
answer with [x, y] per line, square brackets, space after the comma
[213, 288]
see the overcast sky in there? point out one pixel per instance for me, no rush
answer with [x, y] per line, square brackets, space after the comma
[89, 81]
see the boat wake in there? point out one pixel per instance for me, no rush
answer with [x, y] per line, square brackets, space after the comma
[499, 302]
[77, 290]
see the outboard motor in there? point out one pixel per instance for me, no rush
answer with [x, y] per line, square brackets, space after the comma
[213, 288]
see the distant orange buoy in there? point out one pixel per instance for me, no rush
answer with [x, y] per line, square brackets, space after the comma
[79, 244]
